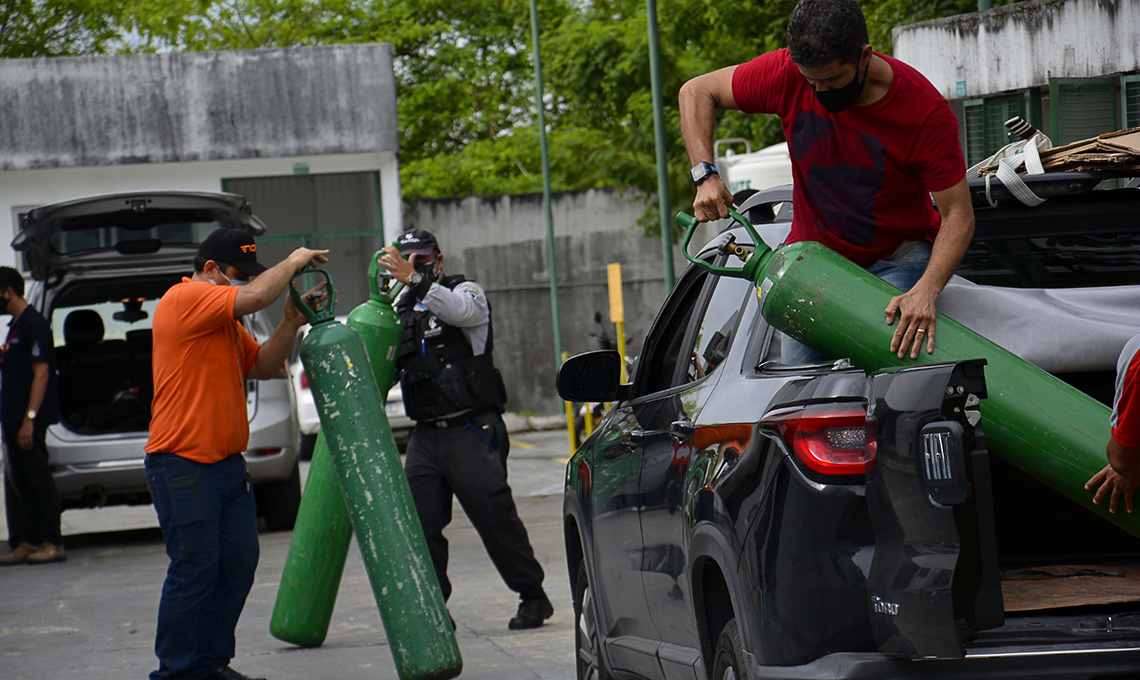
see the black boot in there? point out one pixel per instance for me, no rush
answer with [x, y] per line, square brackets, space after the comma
[532, 612]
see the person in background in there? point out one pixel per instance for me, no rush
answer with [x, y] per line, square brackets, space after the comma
[199, 428]
[459, 446]
[1121, 476]
[28, 404]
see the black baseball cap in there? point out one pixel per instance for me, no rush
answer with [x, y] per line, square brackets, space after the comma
[232, 246]
[417, 242]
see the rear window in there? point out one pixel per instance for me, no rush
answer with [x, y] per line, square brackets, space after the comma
[1086, 241]
[1055, 261]
[118, 318]
[125, 229]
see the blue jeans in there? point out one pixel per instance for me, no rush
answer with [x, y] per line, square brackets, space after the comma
[902, 270]
[209, 521]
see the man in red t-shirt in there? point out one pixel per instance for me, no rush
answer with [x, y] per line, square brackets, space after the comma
[1122, 474]
[870, 139]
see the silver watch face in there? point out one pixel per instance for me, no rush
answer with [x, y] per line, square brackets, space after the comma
[415, 278]
[701, 171]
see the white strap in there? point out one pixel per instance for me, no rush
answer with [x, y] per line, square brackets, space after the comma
[1032, 155]
[1007, 173]
[1027, 153]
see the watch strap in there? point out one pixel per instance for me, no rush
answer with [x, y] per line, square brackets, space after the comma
[419, 287]
[702, 171]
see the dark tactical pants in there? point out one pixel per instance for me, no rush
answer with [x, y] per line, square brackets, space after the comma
[469, 462]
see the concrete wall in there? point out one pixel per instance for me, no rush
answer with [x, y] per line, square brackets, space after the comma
[500, 242]
[1024, 45]
[163, 108]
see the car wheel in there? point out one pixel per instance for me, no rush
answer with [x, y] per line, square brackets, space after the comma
[278, 502]
[728, 664]
[587, 640]
[308, 443]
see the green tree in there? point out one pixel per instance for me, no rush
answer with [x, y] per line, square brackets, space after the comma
[465, 78]
[55, 28]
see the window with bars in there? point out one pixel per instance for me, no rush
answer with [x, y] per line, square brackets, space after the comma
[1082, 108]
[1130, 101]
[984, 121]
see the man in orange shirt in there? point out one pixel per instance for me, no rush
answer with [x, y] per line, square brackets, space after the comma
[199, 427]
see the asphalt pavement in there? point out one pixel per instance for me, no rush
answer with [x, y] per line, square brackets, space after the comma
[93, 617]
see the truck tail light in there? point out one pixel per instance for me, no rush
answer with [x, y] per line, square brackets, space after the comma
[830, 439]
[304, 380]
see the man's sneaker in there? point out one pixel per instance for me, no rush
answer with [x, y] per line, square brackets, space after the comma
[227, 673]
[532, 612]
[46, 553]
[17, 556]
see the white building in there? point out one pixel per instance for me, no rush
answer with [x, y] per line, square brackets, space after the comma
[307, 135]
[1069, 67]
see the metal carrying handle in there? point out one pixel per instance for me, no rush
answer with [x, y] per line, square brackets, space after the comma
[325, 311]
[751, 264]
[390, 289]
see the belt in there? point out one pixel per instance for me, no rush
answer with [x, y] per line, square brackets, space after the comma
[457, 421]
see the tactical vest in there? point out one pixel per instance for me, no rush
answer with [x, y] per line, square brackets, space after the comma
[440, 375]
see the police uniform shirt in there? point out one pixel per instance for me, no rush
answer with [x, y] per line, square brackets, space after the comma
[29, 340]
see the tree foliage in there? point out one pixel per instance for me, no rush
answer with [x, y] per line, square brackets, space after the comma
[465, 74]
[55, 28]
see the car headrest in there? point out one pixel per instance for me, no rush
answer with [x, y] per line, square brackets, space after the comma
[82, 327]
[141, 337]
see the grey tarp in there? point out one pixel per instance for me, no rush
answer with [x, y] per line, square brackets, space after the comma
[1059, 330]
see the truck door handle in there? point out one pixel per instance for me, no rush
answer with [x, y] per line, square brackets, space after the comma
[633, 438]
[682, 430]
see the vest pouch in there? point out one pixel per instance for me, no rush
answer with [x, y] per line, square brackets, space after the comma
[452, 382]
[419, 396]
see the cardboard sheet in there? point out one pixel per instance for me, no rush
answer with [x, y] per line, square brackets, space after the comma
[1117, 151]
[1069, 585]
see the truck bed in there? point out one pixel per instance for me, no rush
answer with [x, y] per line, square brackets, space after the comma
[1069, 585]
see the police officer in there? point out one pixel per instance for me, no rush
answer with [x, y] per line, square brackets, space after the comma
[459, 446]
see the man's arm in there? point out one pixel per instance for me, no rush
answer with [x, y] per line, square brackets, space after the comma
[916, 307]
[35, 401]
[1119, 478]
[266, 287]
[698, 101]
[275, 350]
[464, 307]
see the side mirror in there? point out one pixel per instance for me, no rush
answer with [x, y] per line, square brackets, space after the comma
[592, 376]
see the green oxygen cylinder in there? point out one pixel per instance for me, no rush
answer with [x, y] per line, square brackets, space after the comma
[319, 546]
[377, 496]
[1049, 430]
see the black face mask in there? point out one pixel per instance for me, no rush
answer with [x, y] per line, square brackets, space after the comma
[427, 269]
[4, 305]
[843, 98]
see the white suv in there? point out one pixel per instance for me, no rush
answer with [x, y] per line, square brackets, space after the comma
[98, 267]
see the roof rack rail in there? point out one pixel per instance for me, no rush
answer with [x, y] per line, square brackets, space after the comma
[1044, 185]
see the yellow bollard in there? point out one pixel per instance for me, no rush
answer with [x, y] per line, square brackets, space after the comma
[617, 312]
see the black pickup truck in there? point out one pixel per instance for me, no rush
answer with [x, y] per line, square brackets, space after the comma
[722, 522]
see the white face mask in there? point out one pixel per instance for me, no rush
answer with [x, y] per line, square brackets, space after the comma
[232, 282]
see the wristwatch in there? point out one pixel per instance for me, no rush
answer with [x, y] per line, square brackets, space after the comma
[415, 279]
[31, 414]
[702, 171]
